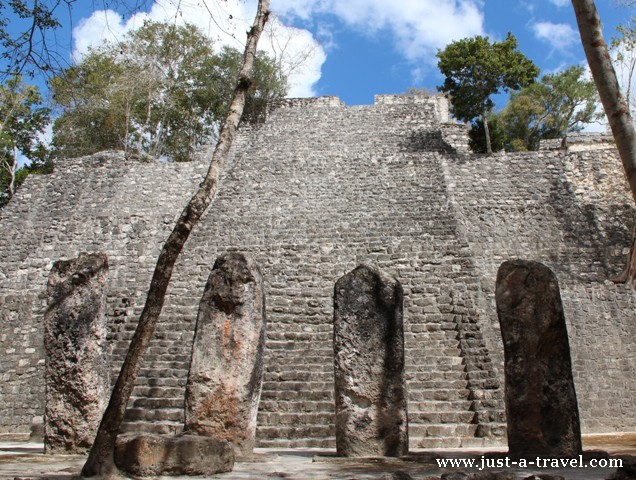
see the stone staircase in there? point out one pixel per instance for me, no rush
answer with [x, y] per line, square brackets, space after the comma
[321, 181]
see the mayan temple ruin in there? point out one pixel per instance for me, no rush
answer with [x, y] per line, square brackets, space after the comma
[317, 190]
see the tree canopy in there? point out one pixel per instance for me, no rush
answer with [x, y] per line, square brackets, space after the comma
[158, 94]
[22, 120]
[560, 103]
[476, 69]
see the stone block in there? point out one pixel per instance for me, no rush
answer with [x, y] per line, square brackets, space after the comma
[226, 371]
[154, 455]
[541, 405]
[77, 362]
[370, 391]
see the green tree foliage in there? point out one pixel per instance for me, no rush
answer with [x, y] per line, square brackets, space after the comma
[158, 94]
[22, 120]
[551, 108]
[557, 105]
[477, 134]
[476, 69]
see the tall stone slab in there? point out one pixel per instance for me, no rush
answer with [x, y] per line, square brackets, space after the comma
[226, 371]
[77, 361]
[541, 406]
[370, 391]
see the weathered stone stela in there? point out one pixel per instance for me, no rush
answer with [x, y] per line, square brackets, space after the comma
[541, 405]
[77, 363]
[370, 393]
[226, 371]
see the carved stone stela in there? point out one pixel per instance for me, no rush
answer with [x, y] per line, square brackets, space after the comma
[77, 364]
[541, 405]
[226, 371]
[371, 417]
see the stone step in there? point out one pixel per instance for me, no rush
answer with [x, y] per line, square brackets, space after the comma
[438, 394]
[137, 414]
[166, 364]
[158, 391]
[280, 443]
[275, 348]
[440, 406]
[416, 418]
[165, 428]
[175, 382]
[434, 442]
[303, 366]
[438, 368]
[443, 430]
[414, 375]
[296, 432]
[297, 386]
[277, 337]
[308, 360]
[285, 419]
[310, 406]
[292, 395]
[425, 350]
[157, 372]
[155, 403]
[426, 359]
[300, 376]
[438, 383]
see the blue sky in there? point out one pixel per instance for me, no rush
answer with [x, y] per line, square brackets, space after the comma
[354, 49]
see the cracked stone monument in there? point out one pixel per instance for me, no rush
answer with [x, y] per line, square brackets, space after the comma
[541, 405]
[77, 362]
[226, 371]
[370, 391]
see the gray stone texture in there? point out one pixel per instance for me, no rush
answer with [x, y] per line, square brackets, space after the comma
[77, 361]
[226, 371]
[368, 343]
[150, 455]
[541, 406]
[317, 190]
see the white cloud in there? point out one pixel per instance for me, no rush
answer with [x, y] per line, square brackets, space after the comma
[560, 3]
[225, 23]
[559, 35]
[418, 27]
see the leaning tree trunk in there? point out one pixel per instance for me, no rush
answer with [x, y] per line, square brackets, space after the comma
[100, 461]
[614, 103]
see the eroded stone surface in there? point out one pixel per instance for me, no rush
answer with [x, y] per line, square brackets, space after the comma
[224, 383]
[541, 405]
[77, 366]
[152, 455]
[370, 392]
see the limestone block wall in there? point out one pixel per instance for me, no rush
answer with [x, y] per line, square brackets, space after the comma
[100, 203]
[315, 191]
[573, 212]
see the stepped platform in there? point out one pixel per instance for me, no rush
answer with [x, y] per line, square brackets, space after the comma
[315, 191]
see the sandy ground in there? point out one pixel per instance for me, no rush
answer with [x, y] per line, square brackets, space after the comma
[23, 460]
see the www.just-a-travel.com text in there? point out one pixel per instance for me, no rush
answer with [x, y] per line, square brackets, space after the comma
[483, 463]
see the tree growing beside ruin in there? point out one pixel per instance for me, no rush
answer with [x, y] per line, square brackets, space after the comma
[100, 461]
[476, 69]
[613, 100]
[22, 120]
[159, 93]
